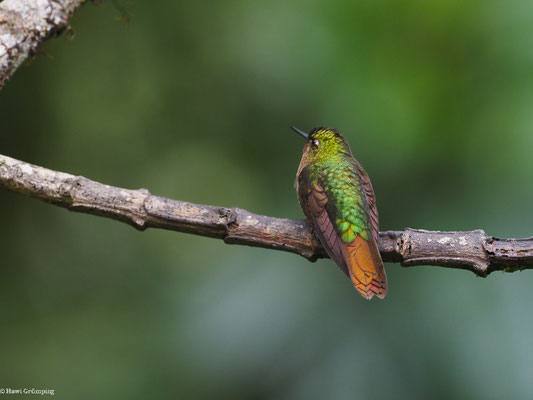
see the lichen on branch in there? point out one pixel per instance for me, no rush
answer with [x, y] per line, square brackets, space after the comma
[25, 24]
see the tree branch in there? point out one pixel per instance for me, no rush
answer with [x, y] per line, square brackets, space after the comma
[25, 24]
[471, 250]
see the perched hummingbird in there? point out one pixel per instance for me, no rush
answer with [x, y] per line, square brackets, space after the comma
[336, 196]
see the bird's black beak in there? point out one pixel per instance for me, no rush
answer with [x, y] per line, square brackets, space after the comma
[305, 135]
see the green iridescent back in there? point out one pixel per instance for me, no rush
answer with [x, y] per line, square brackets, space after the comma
[334, 168]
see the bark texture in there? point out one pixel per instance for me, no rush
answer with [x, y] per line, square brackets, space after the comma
[471, 250]
[25, 24]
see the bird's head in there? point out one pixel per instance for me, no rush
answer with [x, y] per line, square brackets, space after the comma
[323, 143]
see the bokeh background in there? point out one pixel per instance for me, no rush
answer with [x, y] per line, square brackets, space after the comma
[193, 100]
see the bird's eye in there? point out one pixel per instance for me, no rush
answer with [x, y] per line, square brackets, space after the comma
[314, 143]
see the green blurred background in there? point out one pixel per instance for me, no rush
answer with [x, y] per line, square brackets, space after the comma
[193, 100]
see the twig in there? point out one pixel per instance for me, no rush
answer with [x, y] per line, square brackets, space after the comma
[471, 250]
[25, 24]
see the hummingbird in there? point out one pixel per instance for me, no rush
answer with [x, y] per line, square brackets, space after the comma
[337, 198]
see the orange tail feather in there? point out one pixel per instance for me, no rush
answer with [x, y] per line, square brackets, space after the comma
[366, 268]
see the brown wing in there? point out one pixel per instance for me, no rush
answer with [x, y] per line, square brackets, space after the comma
[371, 201]
[313, 201]
[359, 260]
